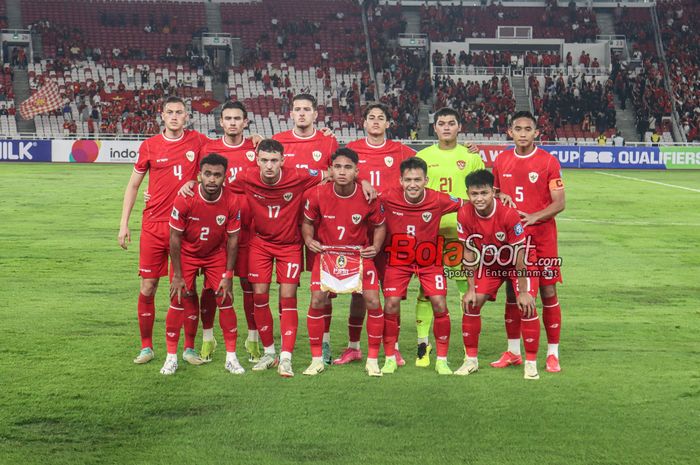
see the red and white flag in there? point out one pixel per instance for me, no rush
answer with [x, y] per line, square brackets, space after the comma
[46, 99]
[341, 270]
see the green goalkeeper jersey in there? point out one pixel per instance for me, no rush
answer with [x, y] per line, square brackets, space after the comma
[446, 172]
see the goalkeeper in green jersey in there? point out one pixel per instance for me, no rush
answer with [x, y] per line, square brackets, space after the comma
[448, 164]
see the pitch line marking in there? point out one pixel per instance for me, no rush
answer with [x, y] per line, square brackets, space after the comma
[626, 223]
[650, 182]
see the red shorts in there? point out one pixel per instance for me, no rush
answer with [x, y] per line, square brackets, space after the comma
[491, 279]
[212, 268]
[380, 263]
[287, 262]
[154, 247]
[396, 280]
[310, 257]
[370, 280]
[544, 237]
[240, 269]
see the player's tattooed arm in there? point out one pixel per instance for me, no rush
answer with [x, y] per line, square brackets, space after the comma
[550, 211]
[526, 303]
[307, 232]
[368, 190]
[130, 194]
[377, 241]
[177, 284]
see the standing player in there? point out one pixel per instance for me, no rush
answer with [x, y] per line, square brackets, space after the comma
[413, 219]
[532, 178]
[199, 228]
[379, 163]
[344, 217]
[306, 147]
[171, 159]
[495, 233]
[448, 164]
[240, 153]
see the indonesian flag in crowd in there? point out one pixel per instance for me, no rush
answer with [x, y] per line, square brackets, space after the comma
[204, 105]
[341, 270]
[44, 100]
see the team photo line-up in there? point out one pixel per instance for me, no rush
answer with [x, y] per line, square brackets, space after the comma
[362, 219]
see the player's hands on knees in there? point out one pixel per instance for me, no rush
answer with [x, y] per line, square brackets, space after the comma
[146, 196]
[507, 200]
[187, 190]
[368, 252]
[224, 290]
[469, 300]
[124, 237]
[369, 191]
[178, 288]
[526, 304]
[314, 246]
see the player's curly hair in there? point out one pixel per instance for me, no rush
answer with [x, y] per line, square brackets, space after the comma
[214, 159]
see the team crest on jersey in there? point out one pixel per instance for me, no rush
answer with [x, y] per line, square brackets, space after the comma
[533, 177]
[250, 155]
[189, 155]
[288, 196]
[356, 218]
[389, 161]
[220, 219]
[461, 164]
[427, 216]
[341, 261]
[501, 236]
[316, 155]
[175, 214]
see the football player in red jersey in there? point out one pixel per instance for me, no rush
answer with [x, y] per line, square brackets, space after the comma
[307, 147]
[379, 163]
[204, 237]
[413, 215]
[171, 160]
[532, 178]
[496, 250]
[339, 216]
[240, 153]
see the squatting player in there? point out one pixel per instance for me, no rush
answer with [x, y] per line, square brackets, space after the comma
[532, 177]
[200, 226]
[343, 218]
[171, 160]
[413, 215]
[495, 252]
[448, 164]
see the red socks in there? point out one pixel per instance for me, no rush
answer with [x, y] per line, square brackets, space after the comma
[314, 322]
[512, 318]
[531, 337]
[147, 315]
[173, 325]
[248, 308]
[551, 315]
[375, 330]
[391, 333]
[263, 318]
[471, 329]
[327, 314]
[229, 324]
[441, 331]
[289, 323]
[191, 305]
[207, 304]
[355, 328]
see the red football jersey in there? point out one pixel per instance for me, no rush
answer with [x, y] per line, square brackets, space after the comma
[313, 152]
[380, 164]
[205, 224]
[239, 156]
[276, 208]
[528, 179]
[420, 220]
[170, 163]
[341, 220]
[501, 227]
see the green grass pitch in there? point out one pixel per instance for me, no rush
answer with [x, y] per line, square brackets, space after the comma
[629, 392]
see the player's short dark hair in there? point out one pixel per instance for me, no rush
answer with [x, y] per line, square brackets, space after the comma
[270, 145]
[229, 105]
[374, 105]
[214, 159]
[308, 97]
[413, 163]
[174, 99]
[346, 152]
[523, 114]
[479, 178]
[446, 111]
